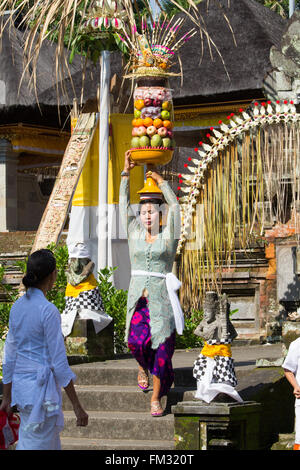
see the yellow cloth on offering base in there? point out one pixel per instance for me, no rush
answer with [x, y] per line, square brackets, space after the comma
[74, 291]
[211, 350]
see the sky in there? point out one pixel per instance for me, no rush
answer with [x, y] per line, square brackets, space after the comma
[154, 6]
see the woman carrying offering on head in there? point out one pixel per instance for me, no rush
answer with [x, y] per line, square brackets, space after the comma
[35, 365]
[153, 309]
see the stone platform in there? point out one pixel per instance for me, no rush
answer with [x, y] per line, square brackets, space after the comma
[120, 412]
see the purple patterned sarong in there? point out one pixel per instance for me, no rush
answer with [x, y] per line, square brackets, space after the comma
[158, 361]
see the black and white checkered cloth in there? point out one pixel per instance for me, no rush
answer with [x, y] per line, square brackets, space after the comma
[218, 341]
[223, 371]
[89, 299]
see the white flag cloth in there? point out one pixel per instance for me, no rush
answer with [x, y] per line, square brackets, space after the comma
[79, 250]
[207, 391]
[100, 320]
[173, 284]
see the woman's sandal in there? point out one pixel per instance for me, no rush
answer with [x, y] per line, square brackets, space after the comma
[143, 379]
[156, 409]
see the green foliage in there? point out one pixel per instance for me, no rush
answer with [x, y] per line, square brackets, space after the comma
[80, 42]
[57, 294]
[91, 45]
[115, 305]
[114, 300]
[5, 307]
[279, 6]
[172, 9]
[188, 340]
[9, 291]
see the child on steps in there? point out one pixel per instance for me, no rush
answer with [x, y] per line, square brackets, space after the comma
[291, 368]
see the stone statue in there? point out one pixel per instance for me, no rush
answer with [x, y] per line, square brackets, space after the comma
[282, 82]
[79, 269]
[214, 367]
[82, 295]
[216, 324]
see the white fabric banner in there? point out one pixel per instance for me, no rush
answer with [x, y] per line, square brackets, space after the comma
[100, 320]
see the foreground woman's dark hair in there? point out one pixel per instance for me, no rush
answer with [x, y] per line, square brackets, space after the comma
[40, 264]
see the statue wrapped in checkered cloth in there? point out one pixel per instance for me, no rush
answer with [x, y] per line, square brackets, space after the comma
[214, 367]
[83, 298]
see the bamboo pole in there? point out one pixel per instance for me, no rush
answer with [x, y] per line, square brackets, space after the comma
[103, 228]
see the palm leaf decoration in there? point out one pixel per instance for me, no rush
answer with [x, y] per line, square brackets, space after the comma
[246, 180]
[64, 22]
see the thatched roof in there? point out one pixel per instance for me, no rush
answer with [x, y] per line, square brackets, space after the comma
[20, 101]
[256, 29]
[17, 91]
[81, 85]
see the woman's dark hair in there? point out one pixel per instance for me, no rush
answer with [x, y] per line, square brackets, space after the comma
[40, 264]
[155, 202]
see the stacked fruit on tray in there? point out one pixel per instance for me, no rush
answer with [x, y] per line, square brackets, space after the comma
[152, 125]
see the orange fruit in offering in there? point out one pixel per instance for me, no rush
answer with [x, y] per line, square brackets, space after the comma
[163, 65]
[138, 122]
[157, 123]
[166, 105]
[148, 122]
[139, 104]
[167, 124]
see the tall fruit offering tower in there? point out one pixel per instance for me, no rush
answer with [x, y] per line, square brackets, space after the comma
[154, 49]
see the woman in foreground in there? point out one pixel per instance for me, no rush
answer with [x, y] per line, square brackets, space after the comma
[35, 365]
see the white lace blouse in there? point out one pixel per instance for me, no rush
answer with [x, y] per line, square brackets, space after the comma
[157, 257]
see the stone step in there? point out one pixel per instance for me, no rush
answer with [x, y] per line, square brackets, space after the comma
[116, 373]
[117, 425]
[126, 398]
[70, 443]
[13, 242]
[285, 442]
[119, 412]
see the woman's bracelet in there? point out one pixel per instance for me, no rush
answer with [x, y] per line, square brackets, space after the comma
[124, 173]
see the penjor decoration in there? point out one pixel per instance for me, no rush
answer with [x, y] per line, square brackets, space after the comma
[101, 28]
[228, 192]
[105, 17]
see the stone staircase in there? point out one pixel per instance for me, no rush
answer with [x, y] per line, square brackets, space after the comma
[14, 248]
[19, 242]
[119, 412]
